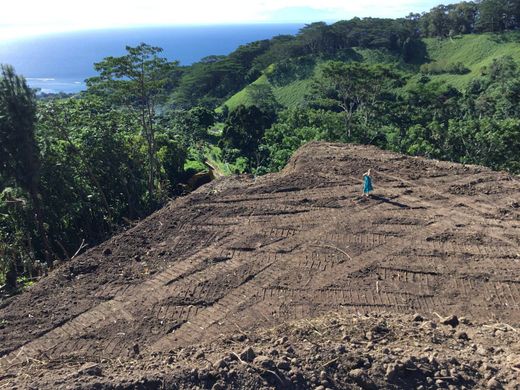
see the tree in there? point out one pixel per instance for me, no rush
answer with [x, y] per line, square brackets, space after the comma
[244, 130]
[463, 17]
[438, 23]
[316, 38]
[19, 158]
[263, 97]
[138, 80]
[496, 15]
[354, 88]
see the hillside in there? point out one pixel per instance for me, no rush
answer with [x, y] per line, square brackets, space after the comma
[242, 255]
[293, 93]
[474, 51]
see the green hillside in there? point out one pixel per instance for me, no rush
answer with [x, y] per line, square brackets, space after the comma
[474, 51]
[293, 93]
[288, 96]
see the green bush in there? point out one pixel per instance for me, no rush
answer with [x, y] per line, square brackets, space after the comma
[444, 68]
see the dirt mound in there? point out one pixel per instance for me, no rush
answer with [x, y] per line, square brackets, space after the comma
[336, 351]
[242, 254]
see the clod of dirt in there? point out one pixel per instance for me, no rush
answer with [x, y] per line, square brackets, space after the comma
[462, 336]
[417, 318]
[248, 354]
[92, 369]
[264, 362]
[453, 321]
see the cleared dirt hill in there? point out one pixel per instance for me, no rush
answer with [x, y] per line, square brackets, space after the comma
[242, 254]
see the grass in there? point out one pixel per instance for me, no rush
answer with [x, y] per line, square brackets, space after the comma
[293, 94]
[474, 51]
[194, 165]
[243, 97]
[213, 155]
[288, 95]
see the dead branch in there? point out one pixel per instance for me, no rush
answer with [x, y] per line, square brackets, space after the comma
[334, 247]
[330, 362]
[83, 245]
[240, 330]
[438, 315]
[501, 324]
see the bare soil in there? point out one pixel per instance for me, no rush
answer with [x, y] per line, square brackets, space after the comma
[242, 255]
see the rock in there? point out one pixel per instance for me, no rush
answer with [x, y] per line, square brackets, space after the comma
[281, 341]
[218, 386]
[274, 379]
[462, 336]
[431, 324]
[453, 321]
[221, 363]
[356, 373]
[283, 365]
[494, 384]
[239, 337]
[232, 357]
[135, 349]
[91, 369]
[514, 385]
[107, 252]
[361, 378]
[248, 355]
[264, 362]
[417, 318]
[200, 355]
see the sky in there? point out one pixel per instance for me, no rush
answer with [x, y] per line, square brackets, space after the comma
[21, 18]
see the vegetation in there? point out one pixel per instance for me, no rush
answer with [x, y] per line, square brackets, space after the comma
[74, 169]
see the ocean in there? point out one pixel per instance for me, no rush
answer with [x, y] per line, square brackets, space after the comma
[62, 62]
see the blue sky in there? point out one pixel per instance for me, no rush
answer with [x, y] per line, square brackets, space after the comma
[21, 18]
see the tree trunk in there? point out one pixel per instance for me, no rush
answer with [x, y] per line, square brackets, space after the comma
[10, 277]
[38, 218]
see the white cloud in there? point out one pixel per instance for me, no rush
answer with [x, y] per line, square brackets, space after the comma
[28, 17]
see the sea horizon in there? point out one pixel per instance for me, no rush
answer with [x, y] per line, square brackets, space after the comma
[60, 62]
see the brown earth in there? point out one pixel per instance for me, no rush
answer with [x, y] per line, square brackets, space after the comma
[241, 255]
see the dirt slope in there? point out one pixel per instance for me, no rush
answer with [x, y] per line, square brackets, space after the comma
[245, 254]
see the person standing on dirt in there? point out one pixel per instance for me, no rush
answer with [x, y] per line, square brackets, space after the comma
[367, 183]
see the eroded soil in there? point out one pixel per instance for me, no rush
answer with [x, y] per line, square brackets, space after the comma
[244, 254]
